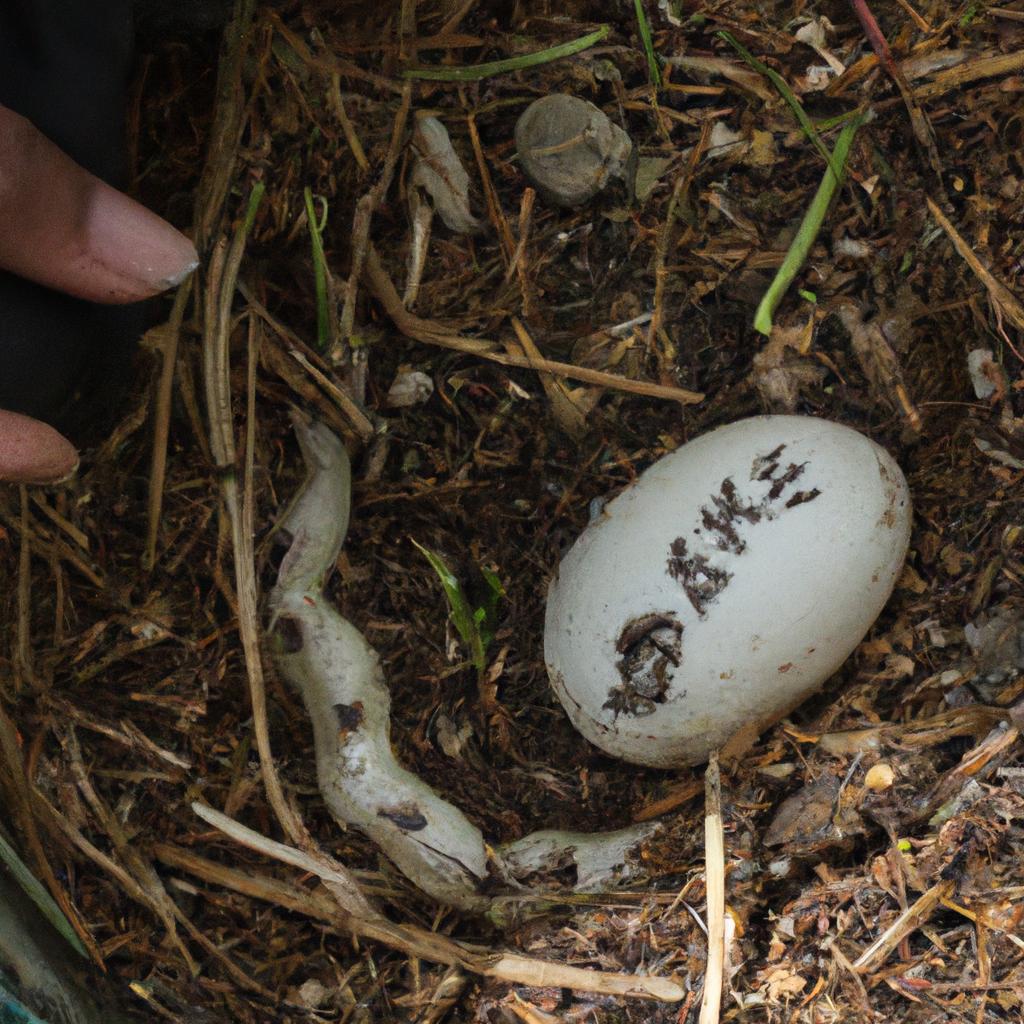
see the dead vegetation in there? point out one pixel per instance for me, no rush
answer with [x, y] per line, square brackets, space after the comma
[872, 866]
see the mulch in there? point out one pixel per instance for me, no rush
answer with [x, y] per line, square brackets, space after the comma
[873, 838]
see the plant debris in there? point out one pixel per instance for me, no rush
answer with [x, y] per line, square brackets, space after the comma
[568, 348]
[438, 170]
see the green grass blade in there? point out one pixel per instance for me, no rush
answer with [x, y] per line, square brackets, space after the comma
[458, 607]
[499, 67]
[826, 124]
[787, 94]
[252, 207]
[40, 897]
[487, 613]
[809, 228]
[653, 67]
[316, 227]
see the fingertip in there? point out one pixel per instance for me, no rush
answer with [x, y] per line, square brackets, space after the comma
[66, 229]
[31, 452]
[129, 250]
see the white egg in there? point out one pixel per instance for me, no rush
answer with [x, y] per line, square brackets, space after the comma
[724, 586]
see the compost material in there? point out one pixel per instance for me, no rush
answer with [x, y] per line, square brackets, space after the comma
[869, 843]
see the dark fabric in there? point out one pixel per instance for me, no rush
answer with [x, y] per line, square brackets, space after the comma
[64, 65]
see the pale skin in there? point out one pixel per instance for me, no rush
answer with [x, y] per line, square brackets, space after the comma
[64, 228]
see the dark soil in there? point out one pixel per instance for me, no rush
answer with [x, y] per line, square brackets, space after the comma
[136, 680]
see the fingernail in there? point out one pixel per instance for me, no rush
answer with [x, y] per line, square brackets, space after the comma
[141, 252]
[32, 452]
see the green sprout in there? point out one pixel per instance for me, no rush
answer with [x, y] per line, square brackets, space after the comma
[39, 896]
[477, 72]
[316, 227]
[475, 622]
[970, 14]
[807, 232]
[653, 68]
[789, 96]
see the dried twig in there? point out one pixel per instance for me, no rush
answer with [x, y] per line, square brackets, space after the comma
[414, 941]
[169, 334]
[657, 337]
[1003, 300]
[982, 921]
[220, 290]
[148, 892]
[519, 264]
[977, 763]
[858, 984]
[909, 921]
[356, 418]
[432, 333]
[336, 102]
[55, 548]
[342, 885]
[914, 16]
[23, 658]
[675, 797]
[328, 63]
[495, 212]
[361, 223]
[736, 73]
[988, 66]
[530, 1014]
[229, 120]
[919, 122]
[148, 887]
[19, 803]
[714, 874]
[359, 420]
[80, 537]
[567, 412]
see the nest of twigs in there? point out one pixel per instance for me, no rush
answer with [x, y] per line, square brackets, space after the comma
[871, 841]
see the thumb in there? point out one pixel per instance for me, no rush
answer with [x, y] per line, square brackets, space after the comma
[32, 452]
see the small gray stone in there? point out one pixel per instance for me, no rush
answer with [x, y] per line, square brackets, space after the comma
[570, 150]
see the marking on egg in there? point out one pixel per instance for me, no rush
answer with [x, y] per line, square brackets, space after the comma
[701, 580]
[649, 645]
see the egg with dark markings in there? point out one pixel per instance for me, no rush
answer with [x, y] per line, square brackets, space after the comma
[724, 586]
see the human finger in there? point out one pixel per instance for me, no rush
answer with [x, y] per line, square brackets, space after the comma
[66, 229]
[32, 452]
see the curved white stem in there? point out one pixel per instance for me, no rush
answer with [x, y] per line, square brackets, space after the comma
[341, 681]
[598, 858]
